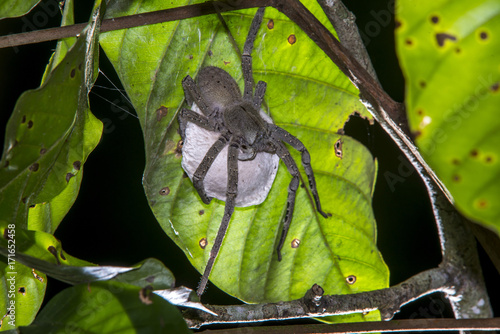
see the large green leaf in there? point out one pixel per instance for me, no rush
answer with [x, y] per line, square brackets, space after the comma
[309, 97]
[449, 55]
[108, 307]
[48, 138]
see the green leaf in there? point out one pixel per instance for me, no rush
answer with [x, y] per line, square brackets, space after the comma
[306, 95]
[108, 307]
[449, 55]
[48, 138]
[22, 290]
[14, 8]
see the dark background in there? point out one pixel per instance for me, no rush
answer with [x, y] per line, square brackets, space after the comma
[111, 223]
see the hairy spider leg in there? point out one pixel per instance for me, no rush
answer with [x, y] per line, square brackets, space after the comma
[192, 91]
[187, 115]
[283, 135]
[260, 91]
[246, 58]
[231, 193]
[290, 164]
[206, 163]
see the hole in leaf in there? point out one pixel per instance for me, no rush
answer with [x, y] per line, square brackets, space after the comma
[351, 279]
[22, 290]
[338, 148]
[38, 277]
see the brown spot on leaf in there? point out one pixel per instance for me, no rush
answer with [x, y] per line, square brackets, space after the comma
[422, 84]
[227, 62]
[150, 279]
[178, 149]
[295, 243]
[397, 24]
[442, 37]
[24, 199]
[494, 87]
[351, 279]
[73, 72]
[77, 165]
[473, 153]
[456, 162]
[53, 251]
[210, 53]
[482, 204]
[338, 148]
[458, 50]
[23, 120]
[69, 176]
[190, 57]
[456, 178]
[7, 162]
[292, 39]
[80, 66]
[434, 19]
[6, 234]
[483, 35]
[30, 124]
[408, 41]
[270, 24]
[62, 256]
[43, 151]
[201, 212]
[34, 167]
[488, 159]
[164, 191]
[161, 112]
[203, 243]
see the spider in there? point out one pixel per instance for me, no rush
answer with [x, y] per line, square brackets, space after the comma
[249, 135]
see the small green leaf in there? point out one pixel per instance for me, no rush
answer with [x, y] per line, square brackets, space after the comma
[107, 307]
[48, 138]
[14, 8]
[307, 96]
[22, 290]
[449, 55]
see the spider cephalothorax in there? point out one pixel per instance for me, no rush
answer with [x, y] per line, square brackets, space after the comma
[254, 144]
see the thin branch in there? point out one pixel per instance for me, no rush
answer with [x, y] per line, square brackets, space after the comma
[413, 325]
[131, 21]
[315, 304]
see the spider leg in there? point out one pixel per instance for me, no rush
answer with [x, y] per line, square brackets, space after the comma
[260, 91]
[280, 134]
[290, 164]
[193, 95]
[206, 163]
[186, 115]
[231, 193]
[246, 58]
